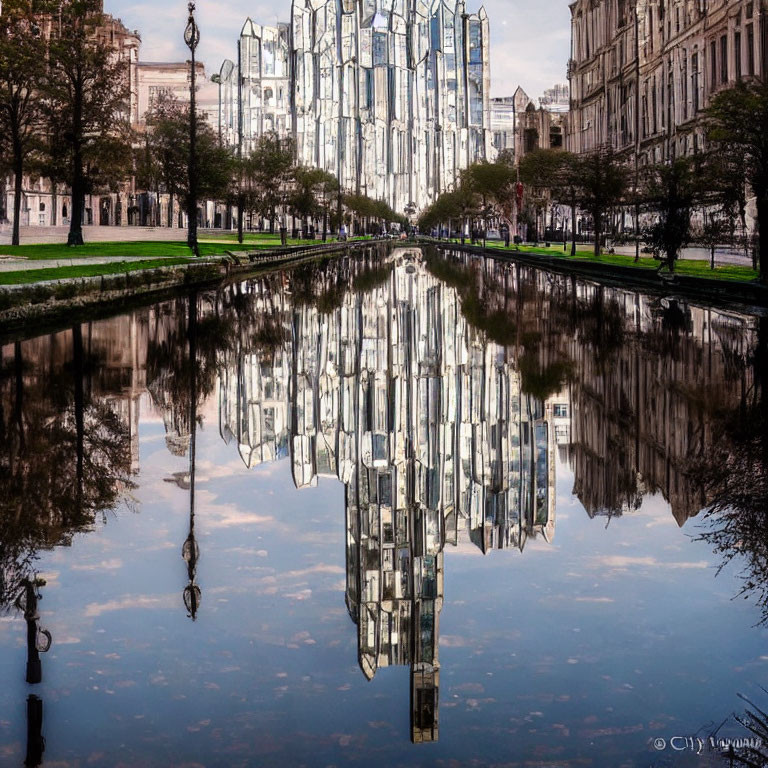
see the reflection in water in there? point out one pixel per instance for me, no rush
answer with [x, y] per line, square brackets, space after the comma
[393, 392]
[35, 740]
[38, 639]
[436, 389]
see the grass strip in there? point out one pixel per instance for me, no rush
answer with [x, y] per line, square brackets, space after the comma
[688, 267]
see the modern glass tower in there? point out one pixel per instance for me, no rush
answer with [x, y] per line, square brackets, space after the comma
[391, 96]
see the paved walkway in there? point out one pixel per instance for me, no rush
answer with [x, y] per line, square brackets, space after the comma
[17, 265]
[94, 234]
[724, 255]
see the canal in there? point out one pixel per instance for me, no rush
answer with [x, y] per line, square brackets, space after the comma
[402, 508]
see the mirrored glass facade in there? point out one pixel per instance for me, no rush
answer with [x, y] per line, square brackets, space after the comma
[391, 96]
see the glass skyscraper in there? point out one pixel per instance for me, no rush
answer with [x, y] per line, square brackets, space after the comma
[391, 96]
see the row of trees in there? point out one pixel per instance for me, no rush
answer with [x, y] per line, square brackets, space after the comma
[64, 116]
[666, 195]
[263, 184]
[63, 101]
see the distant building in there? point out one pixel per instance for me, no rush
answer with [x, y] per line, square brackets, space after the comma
[503, 121]
[556, 99]
[519, 127]
[642, 74]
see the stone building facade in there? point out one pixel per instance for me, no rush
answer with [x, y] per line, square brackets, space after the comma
[641, 73]
[45, 204]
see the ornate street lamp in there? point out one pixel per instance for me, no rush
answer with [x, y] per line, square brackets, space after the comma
[192, 38]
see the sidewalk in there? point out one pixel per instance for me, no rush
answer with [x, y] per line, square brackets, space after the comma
[94, 234]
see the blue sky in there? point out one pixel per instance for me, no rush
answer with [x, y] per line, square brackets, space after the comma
[529, 40]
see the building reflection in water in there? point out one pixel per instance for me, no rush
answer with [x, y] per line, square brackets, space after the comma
[426, 424]
[438, 389]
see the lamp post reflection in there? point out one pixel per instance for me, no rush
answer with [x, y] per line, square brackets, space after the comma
[35, 740]
[38, 640]
[190, 550]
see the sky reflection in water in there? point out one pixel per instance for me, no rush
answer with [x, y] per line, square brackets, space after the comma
[609, 629]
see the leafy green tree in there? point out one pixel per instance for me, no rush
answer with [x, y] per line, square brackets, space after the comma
[272, 160]
[85, 94]
[600, 181]
[715, 231]
[494, 183]
[671, 191]
[303, 200]
[22, 65]
[327, 190]
[553, 174]
[738, 130]
[168, 148]
[167, 155]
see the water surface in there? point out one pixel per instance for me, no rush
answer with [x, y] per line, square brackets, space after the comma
[398, 509]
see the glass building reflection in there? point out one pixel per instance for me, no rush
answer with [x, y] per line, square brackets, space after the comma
[427, 426]
[423, 382]
[392, 97]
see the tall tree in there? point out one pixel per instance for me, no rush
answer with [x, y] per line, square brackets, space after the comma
[273, 160]
[22, 65]
[85, 94]
[168, 155]
[168, 146]
[554, 173]
[303, 200]
[738, 128]
[669, 191]
[602, 181]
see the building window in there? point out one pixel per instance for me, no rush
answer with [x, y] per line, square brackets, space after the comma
[737, 53]
[724, 59]
[684, 84]
[42, 206]
[713, 63]
[748, 11]
[695, 82]
[750, 50]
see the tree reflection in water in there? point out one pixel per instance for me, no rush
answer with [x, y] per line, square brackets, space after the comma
[64, 451]
[734, 478]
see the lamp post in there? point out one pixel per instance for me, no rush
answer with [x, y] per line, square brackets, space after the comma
[192, 38]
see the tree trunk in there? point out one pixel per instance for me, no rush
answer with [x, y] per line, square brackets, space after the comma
[712, 257]
[240, 219]
[18, 172]
[598, 220]
[573, 230]
[78, 199]
[170, 209]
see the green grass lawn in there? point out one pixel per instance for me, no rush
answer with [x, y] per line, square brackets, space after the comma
[85, 270]
[210, 245]
[691, 267]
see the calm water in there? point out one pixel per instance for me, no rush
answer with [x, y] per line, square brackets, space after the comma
[400, 510]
